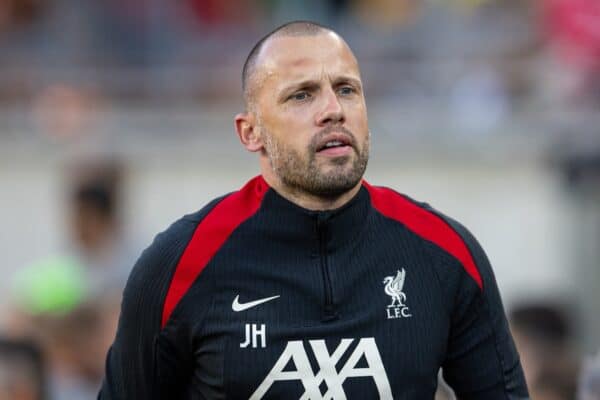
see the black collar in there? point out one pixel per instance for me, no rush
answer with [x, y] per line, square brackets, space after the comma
[335, 228]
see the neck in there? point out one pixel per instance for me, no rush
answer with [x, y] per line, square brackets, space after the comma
[307, 200]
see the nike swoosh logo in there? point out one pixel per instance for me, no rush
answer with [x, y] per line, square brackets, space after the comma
[237, 306]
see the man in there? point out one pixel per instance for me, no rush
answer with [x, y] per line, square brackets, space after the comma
[309, 283]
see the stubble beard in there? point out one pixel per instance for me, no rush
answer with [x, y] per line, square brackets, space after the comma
[301, 174]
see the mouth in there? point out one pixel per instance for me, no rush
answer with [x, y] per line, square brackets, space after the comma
[334, 144]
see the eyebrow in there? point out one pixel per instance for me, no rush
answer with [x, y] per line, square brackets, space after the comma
[292, 87]
[347, 79]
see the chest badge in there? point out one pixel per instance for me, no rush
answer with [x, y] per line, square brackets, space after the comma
[393, 288]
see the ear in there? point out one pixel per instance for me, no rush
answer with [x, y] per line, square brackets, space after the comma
[245, 127]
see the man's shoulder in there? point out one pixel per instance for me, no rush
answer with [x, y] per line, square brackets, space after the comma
[404, 208]
[204, 229]
[173, 240]
[430, 225]
[238, 204]
[196, 216]
[419, 214]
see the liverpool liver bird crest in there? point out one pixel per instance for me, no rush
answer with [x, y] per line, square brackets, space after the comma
[393, 288]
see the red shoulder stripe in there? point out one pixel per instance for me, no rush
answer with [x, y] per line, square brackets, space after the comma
[209, 236]
[425, 224]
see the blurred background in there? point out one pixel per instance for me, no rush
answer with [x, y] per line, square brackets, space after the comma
[116, 118]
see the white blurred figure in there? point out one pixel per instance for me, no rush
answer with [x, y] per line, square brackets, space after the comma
[589, 379]
[479, 100]
[97, 239]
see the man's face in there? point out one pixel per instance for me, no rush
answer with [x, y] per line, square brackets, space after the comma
[311, 113]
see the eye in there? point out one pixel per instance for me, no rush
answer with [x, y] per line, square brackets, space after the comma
[300, 96]
[346, 90]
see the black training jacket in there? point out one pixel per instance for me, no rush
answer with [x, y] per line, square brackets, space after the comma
[254, 297]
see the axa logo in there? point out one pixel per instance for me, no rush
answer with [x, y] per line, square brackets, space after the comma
[393, 288]
[327, 369]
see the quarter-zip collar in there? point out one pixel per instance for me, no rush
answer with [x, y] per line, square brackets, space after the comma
[340, 226]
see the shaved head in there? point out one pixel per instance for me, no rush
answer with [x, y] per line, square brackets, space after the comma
[306, 114]
[294, 28]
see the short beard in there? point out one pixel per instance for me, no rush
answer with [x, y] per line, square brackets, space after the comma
[302, 175]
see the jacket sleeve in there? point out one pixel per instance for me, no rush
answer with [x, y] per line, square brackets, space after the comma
[135, 355]
[482, 361]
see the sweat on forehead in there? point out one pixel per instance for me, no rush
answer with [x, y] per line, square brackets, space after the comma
[295, 28]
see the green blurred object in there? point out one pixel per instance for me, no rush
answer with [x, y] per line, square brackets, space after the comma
[55, 285]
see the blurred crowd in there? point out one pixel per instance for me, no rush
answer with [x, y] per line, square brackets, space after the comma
[498, 55]
[64, 308]
[482, 59]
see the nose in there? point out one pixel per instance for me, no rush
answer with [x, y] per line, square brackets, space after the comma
[331, 111]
